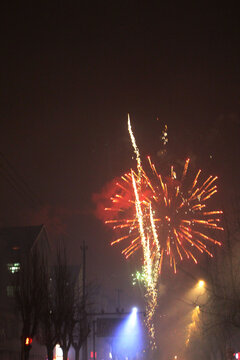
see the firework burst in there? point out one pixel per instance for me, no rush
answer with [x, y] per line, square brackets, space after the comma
[166, 217]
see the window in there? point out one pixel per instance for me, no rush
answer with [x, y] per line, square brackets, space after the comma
[13, 268]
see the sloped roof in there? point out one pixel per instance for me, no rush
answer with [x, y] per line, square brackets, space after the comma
[15, 238]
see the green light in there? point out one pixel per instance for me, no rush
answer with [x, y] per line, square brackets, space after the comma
[13, 268]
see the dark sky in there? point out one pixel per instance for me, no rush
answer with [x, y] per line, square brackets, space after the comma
[69, 76]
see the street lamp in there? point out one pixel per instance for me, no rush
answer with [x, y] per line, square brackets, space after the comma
[201, 284]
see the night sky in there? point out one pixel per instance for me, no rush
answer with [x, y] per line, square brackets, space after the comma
[69, 76]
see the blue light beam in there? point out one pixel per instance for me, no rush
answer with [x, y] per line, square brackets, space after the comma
[129, 341]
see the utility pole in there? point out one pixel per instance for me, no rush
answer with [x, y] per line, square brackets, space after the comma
[84, 248]
[118, 298]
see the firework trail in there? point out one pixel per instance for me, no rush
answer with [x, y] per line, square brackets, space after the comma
[149, 267]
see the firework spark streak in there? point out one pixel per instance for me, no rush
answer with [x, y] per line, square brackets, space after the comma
[165, 217]
[151, 276]
[194, 324]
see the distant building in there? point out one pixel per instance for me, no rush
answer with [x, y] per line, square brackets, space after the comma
[15, 243]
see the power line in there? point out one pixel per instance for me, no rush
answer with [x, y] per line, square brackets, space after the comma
[16, 181]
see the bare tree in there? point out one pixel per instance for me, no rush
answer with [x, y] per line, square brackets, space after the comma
[29, 297]
[47, 334]
[219, 321]
[63, 303]
[81, 329]
[207, 338]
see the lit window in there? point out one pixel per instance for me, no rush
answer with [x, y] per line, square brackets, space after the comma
[13, 268]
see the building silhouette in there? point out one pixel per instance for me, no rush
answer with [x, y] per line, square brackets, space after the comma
[15, 244]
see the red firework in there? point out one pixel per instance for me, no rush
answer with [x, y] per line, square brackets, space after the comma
[181, 224]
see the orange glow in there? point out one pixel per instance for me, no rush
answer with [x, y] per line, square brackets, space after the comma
[28, 341]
